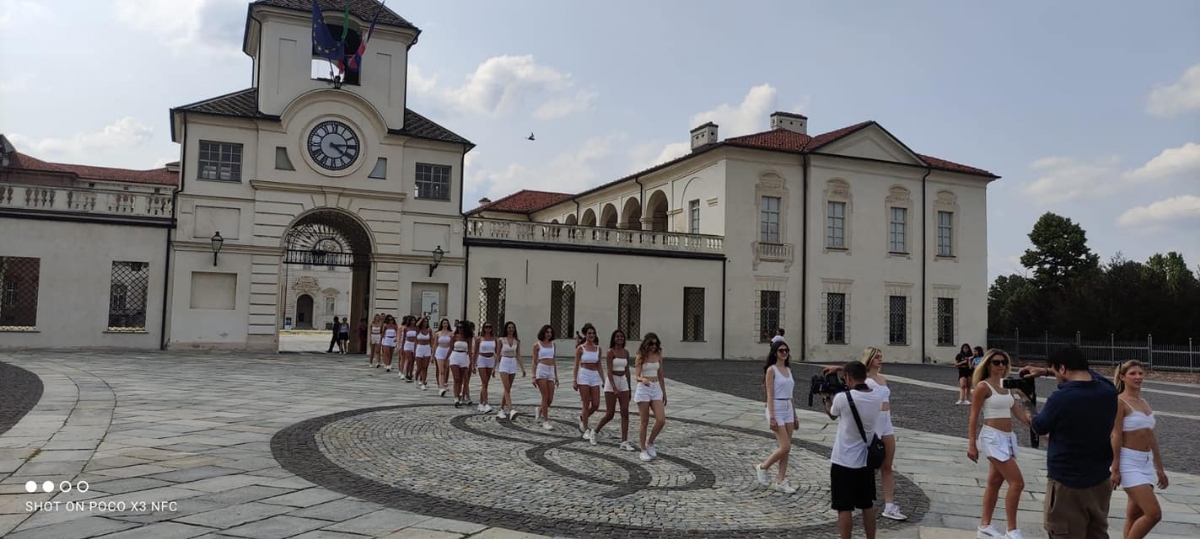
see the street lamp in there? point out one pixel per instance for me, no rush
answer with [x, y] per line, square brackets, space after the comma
[217, 242]
[438, 253]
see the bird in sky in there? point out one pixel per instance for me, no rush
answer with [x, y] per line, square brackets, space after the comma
[530, 137]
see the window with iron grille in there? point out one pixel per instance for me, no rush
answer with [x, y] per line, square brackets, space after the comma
[694, 217]
[945, 233]
[945, 321]
[897, 230]
[491, 302]
[562, 309]
[693, 314]
[768, 314]
[221, 161]
[127, 296]
[897, 320]
[19, 278]
[629, 310]
[835, 318]
[835, 225]
[768, 220]
[433, 182]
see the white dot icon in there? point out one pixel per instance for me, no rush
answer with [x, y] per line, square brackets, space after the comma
[31, 486]
[48, 486]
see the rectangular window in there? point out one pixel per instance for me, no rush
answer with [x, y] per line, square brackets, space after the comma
[897, 320]
[768, 314]
[769, 220]
[835, 318]
[945, 321]
[629, 310]
[562, 309]
[433, 182]
[694, 217]
[835, 226]
[127, 296]
[19, 279]
[491, 302]
[330, 305]
[693, 314]
[897, 230]
[945, 233]
[221, 161]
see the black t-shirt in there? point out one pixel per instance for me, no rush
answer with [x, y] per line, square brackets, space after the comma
[963, 361]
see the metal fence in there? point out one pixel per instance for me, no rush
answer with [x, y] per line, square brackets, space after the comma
[1104, 351]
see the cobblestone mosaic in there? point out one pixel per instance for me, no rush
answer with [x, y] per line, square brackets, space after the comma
[20, 390]
[441, 461]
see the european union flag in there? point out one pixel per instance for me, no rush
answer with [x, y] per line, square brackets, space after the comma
[323, 43]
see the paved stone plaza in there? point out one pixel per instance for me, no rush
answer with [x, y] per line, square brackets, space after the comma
[319, 446]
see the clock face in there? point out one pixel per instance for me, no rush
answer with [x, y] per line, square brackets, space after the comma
[333, 145]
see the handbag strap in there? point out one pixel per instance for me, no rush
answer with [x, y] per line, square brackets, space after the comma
[857, 419]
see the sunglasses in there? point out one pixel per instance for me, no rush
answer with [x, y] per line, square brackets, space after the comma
[1000, 362]
[784, 350]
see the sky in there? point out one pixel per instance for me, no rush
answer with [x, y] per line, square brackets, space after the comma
[1089, 109]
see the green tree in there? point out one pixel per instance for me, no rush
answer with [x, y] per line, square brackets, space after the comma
[1060, 257]
[1012, 303]
[1172, 270]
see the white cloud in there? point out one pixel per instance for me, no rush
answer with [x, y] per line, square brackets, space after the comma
[502, 85]
[21, 12]
[1160, 213]
[123, 134]
[571, 171]
[206, 26]
[1067, 178]
[13, 84]
[1171, 163]
[1182, 96]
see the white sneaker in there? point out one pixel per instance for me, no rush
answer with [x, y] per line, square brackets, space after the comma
[512, 414]
[645, 457]
[1013, 534]
[487, 408]
[501, 414]
[764, 477]
[987, 532]
[587, 434]
[785, 487]
[626, 446]
[389, 369]
[650, 449]
[547, 426]
[597, 435]
[581, 429]
[592, 438]
[892, 511]
[442, 393]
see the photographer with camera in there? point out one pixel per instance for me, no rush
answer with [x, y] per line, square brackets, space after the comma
[852, 474]
[1079, 418]
[998, 404]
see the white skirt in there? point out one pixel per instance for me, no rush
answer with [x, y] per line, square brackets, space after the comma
[648, 393]
[544, 372]
[1137, 468]
[587, 377]
[621, 381]
[997, 444]
[508, 365]
[460, 359]
[441, 353]
[375, 338]
[883, 425]
[785, 412]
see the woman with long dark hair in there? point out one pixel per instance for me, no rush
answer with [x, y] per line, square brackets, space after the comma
[651, 394]
[962, 362]
[545, 375]
[510, 359]
[441, 355]
[616, 388]
[376, 337]
[485, 363]
[410, 348]
[1137, 465]
[460, 364]
[997, 439]
[388, 343]
[588, 379]
[423, 352]
[781, 416]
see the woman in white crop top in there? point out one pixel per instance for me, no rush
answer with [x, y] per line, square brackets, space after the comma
[376, 337]
[781, 415]
[651, 393]
[545, 373]
[588, 380]
[410, 348]
[510, 360]
[485, 363]
[388, 342]
[1137, 466]
[616, 387]
[423, 352]
[999, 443]
[441, 355]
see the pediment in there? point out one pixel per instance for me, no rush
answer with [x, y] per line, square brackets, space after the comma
[873, 142]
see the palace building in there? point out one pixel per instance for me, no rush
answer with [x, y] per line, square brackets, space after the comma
[302, 198]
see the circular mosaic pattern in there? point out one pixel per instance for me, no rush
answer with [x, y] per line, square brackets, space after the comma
[438, 460]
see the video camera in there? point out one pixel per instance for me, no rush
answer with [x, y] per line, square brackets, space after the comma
[824, 384]
[1028, 386]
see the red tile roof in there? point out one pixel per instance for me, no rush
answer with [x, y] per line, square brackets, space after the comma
[158, 176]
[524, 201]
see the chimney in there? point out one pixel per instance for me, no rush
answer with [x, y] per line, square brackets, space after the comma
[789, 121]
[484, 201]
[704, 135]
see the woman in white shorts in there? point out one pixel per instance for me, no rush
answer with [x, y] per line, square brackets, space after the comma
[1137, 465]
[996, 440]
[423, 352]
[781, 416]
[485, 363]
[510, 359]
[460, 364]
[388, 343]
[376, 338]
[650, 394]
[441, 355]
[588, 376]
[410, 348]
[545, 375]
[616, 388]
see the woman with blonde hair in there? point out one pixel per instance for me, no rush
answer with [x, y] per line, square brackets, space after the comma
[1137, 466]
[999, 443]
[651, 393]
[376, 339]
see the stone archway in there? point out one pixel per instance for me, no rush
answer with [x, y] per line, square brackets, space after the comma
[304, 312]
[589, 218]
[656, 212]
[608, 216]
[631, 214]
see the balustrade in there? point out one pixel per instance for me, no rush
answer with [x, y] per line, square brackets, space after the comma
[527, 232]
[93, 201]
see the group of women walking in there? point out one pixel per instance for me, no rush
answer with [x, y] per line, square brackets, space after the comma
[458, 352]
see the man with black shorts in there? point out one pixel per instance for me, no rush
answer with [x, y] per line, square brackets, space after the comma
[852, 482]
